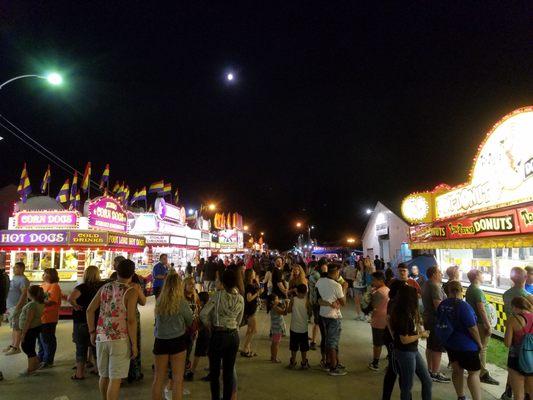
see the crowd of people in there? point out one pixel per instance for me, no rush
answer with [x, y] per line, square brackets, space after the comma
[199, 311]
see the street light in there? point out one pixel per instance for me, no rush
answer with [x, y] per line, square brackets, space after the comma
[191, 211]
[245, 227]
[350, 240]
[212, 207]
[298, 224]
[368, 211]
[52, 78]
[262, 233]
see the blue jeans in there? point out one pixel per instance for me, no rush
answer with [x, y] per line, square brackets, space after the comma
[47, 343]
[409, 363]
[332, 328]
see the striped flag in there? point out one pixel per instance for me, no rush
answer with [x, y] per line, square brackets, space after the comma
[176, 196]
[62, 196]
[74, 187]
[142, 194]
[24, 188]
[105, 176]
[126, 194]
[47, 178]
[156, 187]
[167, 189]
[75, 203]
[116, 187]
[134, 197]
[86, 177]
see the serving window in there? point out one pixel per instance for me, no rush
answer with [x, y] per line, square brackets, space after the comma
[495, 264]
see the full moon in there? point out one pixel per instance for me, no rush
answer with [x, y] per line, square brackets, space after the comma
[229, 77]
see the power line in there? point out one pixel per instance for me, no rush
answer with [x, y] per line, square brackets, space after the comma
[94, 185]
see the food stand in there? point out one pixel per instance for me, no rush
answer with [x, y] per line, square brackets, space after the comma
[69, 242]
[486, 223]
[166, 232]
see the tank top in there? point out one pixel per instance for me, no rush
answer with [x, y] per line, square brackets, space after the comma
[519, 335]
[113, 319]
[299, 315]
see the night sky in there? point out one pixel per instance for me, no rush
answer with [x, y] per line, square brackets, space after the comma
[334, 107]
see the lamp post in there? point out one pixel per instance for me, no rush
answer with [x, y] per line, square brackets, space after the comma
[53, 78]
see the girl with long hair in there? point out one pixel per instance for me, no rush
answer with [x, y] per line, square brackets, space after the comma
[224, 313]
[191, 296]
[297, 278]
[80, 298]
[252, 293]
[359, 288]
[50, 317]
[518, 325]
[30, 325]
[172, 317]
[405, 323]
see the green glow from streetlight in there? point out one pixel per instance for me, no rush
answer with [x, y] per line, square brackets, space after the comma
[54, 79]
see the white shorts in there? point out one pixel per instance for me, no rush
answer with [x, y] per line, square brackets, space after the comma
[113, 358]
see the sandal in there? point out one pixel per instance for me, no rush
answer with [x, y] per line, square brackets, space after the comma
[247, 355]
[275, 361]
[75, 378]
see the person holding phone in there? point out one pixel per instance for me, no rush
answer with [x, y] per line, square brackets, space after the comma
[405, 324]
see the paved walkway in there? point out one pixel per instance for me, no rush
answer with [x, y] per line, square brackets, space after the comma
[258, 378]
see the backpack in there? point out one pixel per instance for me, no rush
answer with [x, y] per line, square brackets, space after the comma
[444, 325]
[525, 352]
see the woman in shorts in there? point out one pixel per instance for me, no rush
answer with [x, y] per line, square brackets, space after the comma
[172, 317]
[464, 343]
[518, 325]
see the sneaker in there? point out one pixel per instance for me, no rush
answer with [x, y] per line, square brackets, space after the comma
[44, 365]
[337, 372]
[373, 367]
[305, 365]
[324, 367]
[312, 346]
[186, 392]
[189, 376]
[488, 379]
[7, 349]
[12, 351]
[438, 377]
[292, 364]
[505, 396]
[340, 366]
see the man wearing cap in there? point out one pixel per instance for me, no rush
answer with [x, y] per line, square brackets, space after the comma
[331, 300]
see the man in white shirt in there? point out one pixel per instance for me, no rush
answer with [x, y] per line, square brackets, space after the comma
[331, 299]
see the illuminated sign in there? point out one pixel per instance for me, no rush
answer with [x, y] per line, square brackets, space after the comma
[88, 238]
[416, 208]
[169, 212]
[29, 238]
[13, 238]
[106, 213]
[157, 239]
[510, 222]
[525, 219]
[46, 219]
[118, 240]
[487, 225]
[230, 238]
[503, 170]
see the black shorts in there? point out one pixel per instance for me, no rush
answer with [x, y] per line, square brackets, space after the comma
[468, 360]
[350, 283]
[157, 291]
[378, 337]
[316, 314]
[433, 342]
[299, 342]
[512, 362]
[202, 343]
[171, 346]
